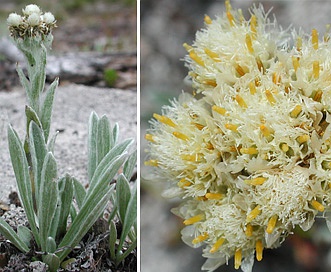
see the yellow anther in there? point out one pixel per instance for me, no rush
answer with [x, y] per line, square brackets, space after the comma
[296, 111]
[214, 196]
[253, 24]
[212, 55]
[218, 109]
[194, 219]
[249, 150]
[164, 119]
[187, 47]
[249, 230]
[249, 43]
[152, 163]
[231, 127]
[149, 137]
[228, 5]
[270, 97]
[252, 88]
[255, 181]
[299, 44]
[217, 245]
[326, 37]
[210, 82]
[271, 224]
[192, 158]
[207, 20]
[183, 183]
[253, 214]
[302, 138]
[317, 95]
[193, 55]
[276, 78]
[295, 62]
[241, 101]
[180, 135]
[326, 165]
[259, 250]
[240, 70]
[257, 82]
[230, 18]
[260, 65]
[241, 16]
[200, 238]
[317, 206]
[316, 69]
[265, 131]
[284, 147]
[199, 126]
[237, 259]
[314, 38]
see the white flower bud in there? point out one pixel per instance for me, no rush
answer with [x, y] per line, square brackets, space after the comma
[48, 18]
[33, 19]
[14, 19]
[30, 9]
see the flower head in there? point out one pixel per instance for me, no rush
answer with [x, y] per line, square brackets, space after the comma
[33, 23]
[251, 157]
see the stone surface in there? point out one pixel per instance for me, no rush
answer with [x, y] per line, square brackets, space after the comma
[72, 107]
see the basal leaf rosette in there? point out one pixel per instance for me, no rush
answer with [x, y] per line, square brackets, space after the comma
[251, 156]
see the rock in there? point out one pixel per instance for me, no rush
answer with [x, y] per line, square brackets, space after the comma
[38, 266]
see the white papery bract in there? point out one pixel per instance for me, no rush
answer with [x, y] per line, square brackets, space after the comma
[251, 155]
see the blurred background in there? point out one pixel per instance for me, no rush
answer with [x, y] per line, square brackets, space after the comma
[165, 26]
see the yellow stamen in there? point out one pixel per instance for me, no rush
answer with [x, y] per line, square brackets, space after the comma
[208, 20]
[253, 214]
[214, 196]
[199, 126]
[152, 163]
[149, 137]
[212, 55]
[296, 111]
[253, 24]
[180, 135]
[302, 138]
[252, 88]
[164, 119]
[295, 62]
[259, 250]
[265, 131]
[316, 69]
[275, 78]
[200, 238]
[241, 16]
[257, 82]
[284, 147]
[317, 206]
[241, 101]
[270, 97]
[232, 127]
[230, 18]
[187, 47]
[228, 5]
[271, 224]
[210, 82]
[314, 38]
[318, 96]
[249, 43]
[255, 181]
[194, 219]
[218, 109]
[237, 259]
[217, 245]
[326, 37]
[260, 65]
[192, 158]
[240, 70]
[299, 44]
[249, 230]
[193, 55]
[183, 183]
[249, 150]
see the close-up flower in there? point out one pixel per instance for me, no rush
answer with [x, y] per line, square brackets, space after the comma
[249, 154]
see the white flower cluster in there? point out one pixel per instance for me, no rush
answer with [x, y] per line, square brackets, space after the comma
[251, 158]
[32, 23]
